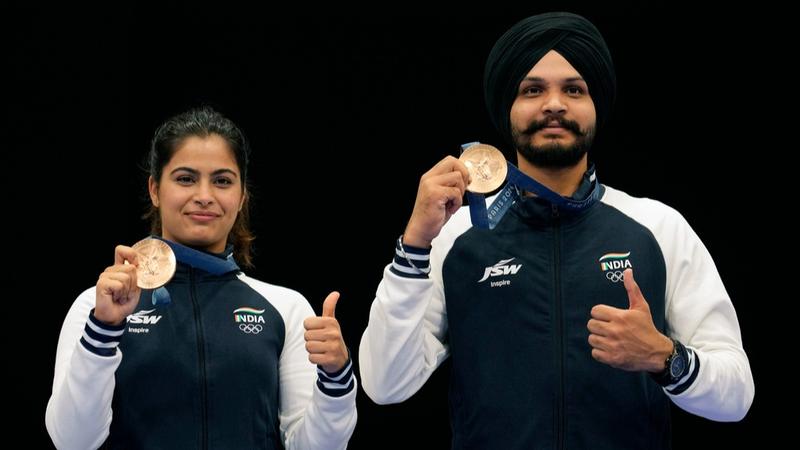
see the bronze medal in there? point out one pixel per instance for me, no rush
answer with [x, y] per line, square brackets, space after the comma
[487, 166]
[156, 263]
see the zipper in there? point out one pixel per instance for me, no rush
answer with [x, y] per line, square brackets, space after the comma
[560, 414]
[201, 358]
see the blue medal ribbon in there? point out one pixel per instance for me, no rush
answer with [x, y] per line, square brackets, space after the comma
[196, 259]
[201, 260]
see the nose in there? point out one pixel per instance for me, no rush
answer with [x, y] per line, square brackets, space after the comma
[203, 195]
[553, 105]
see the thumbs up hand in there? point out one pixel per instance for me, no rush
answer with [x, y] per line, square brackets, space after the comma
[323, 336]
[635, 298]
[627, 338]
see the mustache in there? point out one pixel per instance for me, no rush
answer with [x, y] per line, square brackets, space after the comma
[567, 124]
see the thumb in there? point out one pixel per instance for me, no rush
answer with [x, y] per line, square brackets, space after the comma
[635, 296]
[329, 305]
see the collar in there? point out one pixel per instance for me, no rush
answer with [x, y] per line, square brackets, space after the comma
[536, 208]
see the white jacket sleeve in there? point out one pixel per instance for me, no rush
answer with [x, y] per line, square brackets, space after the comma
[405, 339]
[309, 418]
[700, 314]
[79, 410]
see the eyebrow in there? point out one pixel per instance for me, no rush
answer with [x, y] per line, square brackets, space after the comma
[197, 172]
[542, 80]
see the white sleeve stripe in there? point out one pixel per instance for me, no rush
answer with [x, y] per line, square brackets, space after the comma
[336, 386]
[414, 256]
[99, 344]
[404, 269]
[103, 331]
[345, 371]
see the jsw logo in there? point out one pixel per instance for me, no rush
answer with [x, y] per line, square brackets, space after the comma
[500, 268]
[142, 317]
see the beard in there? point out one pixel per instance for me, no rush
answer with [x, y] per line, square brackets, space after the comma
[553, 155]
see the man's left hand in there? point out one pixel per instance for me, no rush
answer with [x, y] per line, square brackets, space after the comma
[627, 338]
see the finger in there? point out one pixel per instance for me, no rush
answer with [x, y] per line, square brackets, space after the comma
[125, 273]
[463, 170]
[601, 355]
[322, 335]
[112, 288]
[442, 190]
[449, 164]
[444, 165]
[452, 196]
[107, 286]
[124, 253]
[452, 179]
[604, 312]
[316, 323]
[316, 347]
[129, 269]
[598, 342]
[598, 327]
[122, 277]
[635, 296]
[329, 305]
[320, 359]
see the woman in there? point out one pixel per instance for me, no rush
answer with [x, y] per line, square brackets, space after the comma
[215, 359]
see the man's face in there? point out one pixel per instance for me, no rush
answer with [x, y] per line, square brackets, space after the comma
[553, 117]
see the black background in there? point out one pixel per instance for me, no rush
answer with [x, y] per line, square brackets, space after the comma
[345, 112]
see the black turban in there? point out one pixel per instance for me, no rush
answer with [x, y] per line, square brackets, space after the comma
[522, 46]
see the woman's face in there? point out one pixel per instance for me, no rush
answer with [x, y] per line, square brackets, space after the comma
[199, 194]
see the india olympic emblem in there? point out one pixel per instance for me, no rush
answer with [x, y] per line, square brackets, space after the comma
[250, 328]
[615, 277]
[249, 319]
[613, 265]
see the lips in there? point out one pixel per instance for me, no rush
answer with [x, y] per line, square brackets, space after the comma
[554, 129]
[202, 213]
[202, 216]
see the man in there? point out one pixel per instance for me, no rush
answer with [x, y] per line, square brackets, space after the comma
[554, 342]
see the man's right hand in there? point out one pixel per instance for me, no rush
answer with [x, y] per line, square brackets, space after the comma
[440, 194]
[117, 293]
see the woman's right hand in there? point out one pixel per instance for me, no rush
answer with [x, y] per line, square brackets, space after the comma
[440, 194]
[117, 293]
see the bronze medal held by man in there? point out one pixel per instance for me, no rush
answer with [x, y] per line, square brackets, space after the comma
[487, 168]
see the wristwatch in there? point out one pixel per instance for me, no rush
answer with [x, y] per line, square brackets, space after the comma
[675, 366]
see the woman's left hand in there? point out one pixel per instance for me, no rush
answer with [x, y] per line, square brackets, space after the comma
[324, 341]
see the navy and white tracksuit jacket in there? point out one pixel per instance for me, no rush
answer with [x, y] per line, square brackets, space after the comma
[510, 306]
[223, 365]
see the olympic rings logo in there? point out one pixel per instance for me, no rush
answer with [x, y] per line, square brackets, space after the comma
[250, 328]
[615, 276]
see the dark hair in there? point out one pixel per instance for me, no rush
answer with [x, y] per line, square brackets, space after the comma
[203, 122]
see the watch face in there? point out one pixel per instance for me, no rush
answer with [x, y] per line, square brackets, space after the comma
[677, 366]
